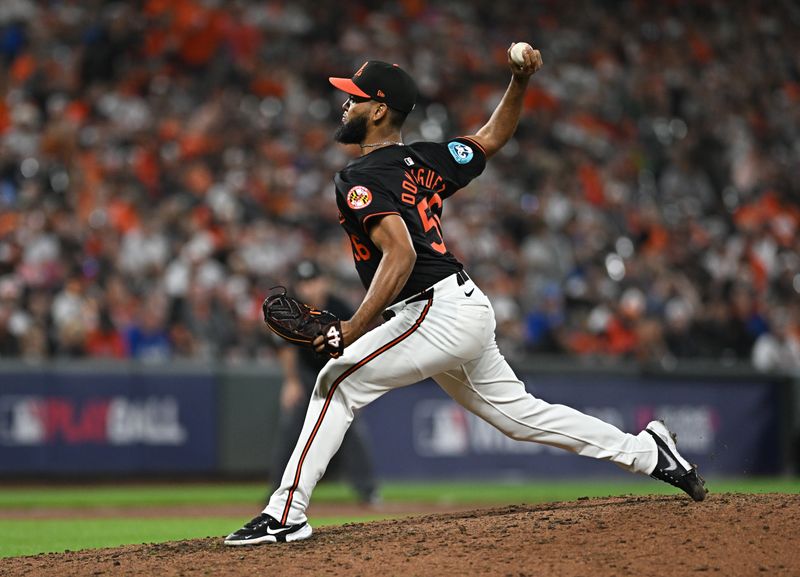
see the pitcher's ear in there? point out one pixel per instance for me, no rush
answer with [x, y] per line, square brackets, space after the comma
[380, 111]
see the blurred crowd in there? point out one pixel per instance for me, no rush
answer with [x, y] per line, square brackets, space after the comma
[163, 163]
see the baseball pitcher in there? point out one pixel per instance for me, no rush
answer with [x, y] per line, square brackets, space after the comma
[437, 321]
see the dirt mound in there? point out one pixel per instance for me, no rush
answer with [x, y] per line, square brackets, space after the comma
[727, 535]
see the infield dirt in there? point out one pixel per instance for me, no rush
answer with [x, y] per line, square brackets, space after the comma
[727, 535]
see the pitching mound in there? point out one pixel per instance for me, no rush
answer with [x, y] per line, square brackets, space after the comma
[727, 535]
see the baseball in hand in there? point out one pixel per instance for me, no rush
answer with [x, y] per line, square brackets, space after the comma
[518, 52]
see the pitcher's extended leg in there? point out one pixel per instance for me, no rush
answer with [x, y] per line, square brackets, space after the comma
[488, 387]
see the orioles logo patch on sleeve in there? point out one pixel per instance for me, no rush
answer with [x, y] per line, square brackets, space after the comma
[358, 197]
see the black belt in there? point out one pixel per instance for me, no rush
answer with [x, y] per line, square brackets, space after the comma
[461, 278]
[423, 296]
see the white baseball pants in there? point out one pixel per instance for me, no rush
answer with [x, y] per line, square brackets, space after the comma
[449, 336]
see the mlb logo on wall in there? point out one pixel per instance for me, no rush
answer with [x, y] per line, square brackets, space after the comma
[442, 428]
[462, 153]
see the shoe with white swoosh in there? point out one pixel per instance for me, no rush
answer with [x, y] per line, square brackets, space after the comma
[671, 467]
[267, 529]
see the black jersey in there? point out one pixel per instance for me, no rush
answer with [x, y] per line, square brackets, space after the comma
[411, 181]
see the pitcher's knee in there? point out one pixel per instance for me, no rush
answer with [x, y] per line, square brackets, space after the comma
[518, 435]
[327, 377]
[513, 431]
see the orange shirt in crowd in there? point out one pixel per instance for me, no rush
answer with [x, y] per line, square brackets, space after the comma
[109, 345]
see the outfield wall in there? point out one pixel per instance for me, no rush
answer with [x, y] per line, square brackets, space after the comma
[83, 418]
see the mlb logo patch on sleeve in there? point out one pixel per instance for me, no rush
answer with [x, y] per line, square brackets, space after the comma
[462, 153]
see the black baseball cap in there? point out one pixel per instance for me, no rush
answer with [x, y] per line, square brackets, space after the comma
[307, 270]
[382, 82]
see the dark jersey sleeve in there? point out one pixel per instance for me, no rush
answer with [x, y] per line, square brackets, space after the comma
[367, 199]
[458, 160]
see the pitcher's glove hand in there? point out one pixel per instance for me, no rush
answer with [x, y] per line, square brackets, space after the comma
[300, 324]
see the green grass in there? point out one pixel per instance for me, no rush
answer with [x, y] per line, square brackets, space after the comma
[28, 537]
[132, 495]
[56, 535]
[31, 537]
[567, 490]
[441, 492]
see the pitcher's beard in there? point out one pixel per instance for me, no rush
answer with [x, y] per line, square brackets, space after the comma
[352, 132]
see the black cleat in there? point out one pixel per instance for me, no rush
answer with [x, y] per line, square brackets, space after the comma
[267, 529]
[671, 467]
